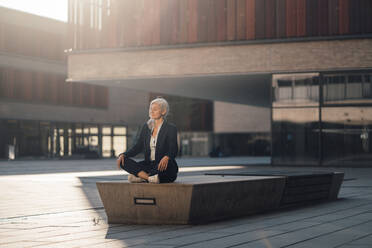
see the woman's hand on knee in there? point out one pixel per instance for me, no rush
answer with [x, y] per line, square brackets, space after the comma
[163, 164]
[120, 161]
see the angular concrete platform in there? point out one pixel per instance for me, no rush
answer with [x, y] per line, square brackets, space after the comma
[191, 200]
[202, 199]
[302, 188]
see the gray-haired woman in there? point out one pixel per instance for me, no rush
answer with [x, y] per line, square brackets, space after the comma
[158, 141]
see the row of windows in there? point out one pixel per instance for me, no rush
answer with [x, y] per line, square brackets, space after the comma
[89, 140]
[337, 89]
[352, 87]
[42, 138]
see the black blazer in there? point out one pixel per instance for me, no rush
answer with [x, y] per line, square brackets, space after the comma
[166, 144]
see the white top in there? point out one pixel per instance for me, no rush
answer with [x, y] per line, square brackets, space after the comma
[153, 142]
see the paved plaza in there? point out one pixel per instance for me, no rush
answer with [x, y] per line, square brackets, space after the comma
[55, 203]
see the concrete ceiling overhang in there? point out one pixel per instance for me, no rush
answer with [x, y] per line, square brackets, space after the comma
[243, 89]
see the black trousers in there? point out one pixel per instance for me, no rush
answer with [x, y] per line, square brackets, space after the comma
[151, 168]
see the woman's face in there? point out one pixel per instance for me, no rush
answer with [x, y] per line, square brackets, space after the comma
[156, 112]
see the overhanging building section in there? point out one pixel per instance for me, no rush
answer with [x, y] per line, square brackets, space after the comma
[232, 73]
[220, 60]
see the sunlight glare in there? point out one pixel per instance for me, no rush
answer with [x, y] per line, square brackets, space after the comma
[56, 9]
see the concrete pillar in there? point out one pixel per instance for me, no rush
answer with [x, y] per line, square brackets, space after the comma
[100, 140]
[65, 141]
[73, 137]
[58, 145]
[51, 135]
[112, 142]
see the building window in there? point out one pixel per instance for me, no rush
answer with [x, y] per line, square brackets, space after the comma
[347, 89]
[296, 90]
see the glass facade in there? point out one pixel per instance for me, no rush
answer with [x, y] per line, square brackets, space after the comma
[347, 119]
[295, 119]
[25, 138]
[322, 119]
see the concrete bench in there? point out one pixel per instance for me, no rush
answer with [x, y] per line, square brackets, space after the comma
[302, 188]
[190, 200]
[202, 199]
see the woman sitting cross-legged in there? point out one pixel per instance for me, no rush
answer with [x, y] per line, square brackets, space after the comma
[158, 141]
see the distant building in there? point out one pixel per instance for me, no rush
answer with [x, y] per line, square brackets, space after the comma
[43, 116]
[302, 68]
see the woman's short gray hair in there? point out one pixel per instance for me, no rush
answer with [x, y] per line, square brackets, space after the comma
[163, 105]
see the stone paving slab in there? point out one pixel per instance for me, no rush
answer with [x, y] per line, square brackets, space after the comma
[231, 240]
[309, 237]
[339, 238]
[45, 205]
[355, 246]
[366, 240]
